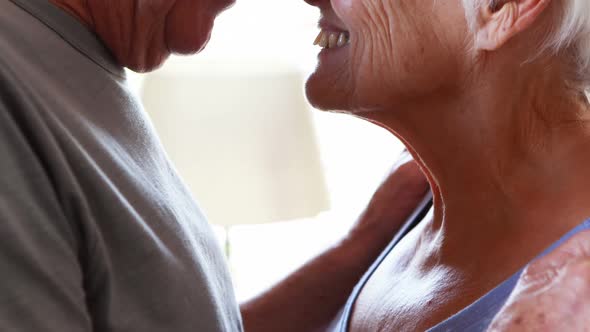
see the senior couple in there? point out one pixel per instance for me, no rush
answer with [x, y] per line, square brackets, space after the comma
[98, 233]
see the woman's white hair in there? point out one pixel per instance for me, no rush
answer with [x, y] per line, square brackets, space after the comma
[570, 34]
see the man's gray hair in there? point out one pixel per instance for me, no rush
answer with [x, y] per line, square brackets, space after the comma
[569, 36]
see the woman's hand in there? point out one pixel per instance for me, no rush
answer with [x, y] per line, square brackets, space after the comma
[553, 294]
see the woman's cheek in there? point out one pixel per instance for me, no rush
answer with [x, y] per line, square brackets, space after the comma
[344, 9]
[353, 13]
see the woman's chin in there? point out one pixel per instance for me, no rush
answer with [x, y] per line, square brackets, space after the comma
[328, 91]
[322, 96]
[328, 88]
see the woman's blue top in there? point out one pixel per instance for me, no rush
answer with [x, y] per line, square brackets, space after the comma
[473, 318]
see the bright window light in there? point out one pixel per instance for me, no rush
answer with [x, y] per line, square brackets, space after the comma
[355, 154]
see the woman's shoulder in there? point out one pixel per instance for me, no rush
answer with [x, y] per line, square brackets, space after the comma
[479, 315]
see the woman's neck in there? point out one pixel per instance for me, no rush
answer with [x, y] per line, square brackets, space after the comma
[503, 162]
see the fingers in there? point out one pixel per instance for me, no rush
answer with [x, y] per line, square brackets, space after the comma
[561, 305]
[395, 199]
[553, 294]
[405, 181]
[544, 270]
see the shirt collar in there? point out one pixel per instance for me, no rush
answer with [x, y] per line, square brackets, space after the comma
[73, 32]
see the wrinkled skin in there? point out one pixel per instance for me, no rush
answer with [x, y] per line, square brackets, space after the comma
[553, 294]
[143, 34]
[374, 73]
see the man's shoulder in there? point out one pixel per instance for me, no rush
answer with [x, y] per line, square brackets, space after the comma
[22, 43]
[43, 43]
[18, 30]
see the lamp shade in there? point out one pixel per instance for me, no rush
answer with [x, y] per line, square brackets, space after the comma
[242, 140]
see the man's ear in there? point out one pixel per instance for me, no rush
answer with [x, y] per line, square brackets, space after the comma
[504, 19]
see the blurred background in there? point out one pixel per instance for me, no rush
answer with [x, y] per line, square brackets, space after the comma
[280, 181]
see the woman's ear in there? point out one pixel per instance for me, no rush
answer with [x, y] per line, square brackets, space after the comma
[503, 19]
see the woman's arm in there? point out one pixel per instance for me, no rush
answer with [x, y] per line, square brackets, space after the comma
[310, 298]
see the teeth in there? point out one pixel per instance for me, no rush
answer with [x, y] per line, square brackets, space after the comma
[332, 39]
[318, 38]
[342, 40]
[324, 40]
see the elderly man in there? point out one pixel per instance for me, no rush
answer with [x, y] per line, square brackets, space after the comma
[98, 232]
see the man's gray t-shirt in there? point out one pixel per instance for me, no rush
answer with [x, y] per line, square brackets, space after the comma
[97, 231]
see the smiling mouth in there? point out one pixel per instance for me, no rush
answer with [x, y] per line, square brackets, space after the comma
[327, 39]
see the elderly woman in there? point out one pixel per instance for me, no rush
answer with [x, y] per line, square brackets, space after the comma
[490, 98]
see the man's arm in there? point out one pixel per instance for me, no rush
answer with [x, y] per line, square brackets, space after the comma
[42, 284]
[310, 298]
